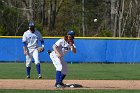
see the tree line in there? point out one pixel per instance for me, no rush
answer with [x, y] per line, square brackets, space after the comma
[115, 18]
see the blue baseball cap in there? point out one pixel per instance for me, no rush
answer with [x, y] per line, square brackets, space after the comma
[31, 24]
[71, 33]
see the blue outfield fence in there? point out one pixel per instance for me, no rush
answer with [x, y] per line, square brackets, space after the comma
[88, 50]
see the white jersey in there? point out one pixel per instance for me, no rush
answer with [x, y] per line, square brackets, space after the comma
[63, 46]
[31, 39]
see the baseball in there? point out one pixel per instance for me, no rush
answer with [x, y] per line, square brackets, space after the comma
[95, 20]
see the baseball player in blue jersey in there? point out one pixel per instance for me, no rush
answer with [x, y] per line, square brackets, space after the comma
[60, 48]
[30, 41]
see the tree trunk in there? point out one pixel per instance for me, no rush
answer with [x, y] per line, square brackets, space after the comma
[83, 16]
[27, 11]
[121, 17]
[42, 12]
[52, 12]
[113, 12]
[30, 10]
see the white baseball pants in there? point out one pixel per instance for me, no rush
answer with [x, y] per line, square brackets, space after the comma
[59, 63]
[34, 54]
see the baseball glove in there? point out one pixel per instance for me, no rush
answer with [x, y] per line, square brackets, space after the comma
[40, 49]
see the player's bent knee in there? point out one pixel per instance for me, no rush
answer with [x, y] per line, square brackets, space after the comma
[28, 65]
[37, 62]
[59, 69]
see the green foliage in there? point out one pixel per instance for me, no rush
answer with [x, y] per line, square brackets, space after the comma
[75, 29]
[9, 20]
[13, 14]
[3, 32]
[40, 29]
[105, 33]
[69, 18]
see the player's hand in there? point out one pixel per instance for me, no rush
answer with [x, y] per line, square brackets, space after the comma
[40, 49]
[71, 42]
[25, 52]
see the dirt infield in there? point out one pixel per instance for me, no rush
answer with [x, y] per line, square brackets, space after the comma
[79, 84]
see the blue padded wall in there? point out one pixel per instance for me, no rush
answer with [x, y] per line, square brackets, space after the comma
[88, 50]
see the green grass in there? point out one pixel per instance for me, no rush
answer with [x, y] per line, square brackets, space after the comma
[69, 91]
[105, 71]
[76, 71]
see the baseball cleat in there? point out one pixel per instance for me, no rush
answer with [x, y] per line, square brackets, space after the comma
[27, 77]
[62, 84]
[39, 77]
[59, 86]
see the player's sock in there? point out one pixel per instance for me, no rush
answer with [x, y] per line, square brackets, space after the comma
[38, 68]
[62, 77]
[58, 74]
[28, 71]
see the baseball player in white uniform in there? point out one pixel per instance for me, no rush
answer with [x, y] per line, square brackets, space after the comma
[30, 41]
[60, 48]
